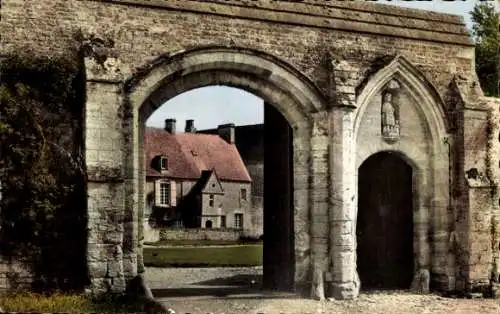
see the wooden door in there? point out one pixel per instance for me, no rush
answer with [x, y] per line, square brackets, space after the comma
[385, 222]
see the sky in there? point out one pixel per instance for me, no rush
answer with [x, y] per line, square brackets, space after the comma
[214, 105]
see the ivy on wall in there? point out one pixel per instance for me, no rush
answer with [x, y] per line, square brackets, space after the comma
[43, 209]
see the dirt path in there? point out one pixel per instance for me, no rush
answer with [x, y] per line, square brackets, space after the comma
[237, 291]
[383, 303]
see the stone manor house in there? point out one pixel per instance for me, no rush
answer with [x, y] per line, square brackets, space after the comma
[196, 180]
[382, 139]
[249, 141]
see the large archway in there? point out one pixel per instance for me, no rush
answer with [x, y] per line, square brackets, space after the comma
[385, 222]
[290, 99]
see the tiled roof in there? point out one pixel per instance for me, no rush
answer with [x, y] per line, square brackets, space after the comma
[189, 154]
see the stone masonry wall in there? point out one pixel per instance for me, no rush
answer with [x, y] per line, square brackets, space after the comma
[15, 274]
[140, 33]
[200, 234]
[337, 47]
[494, 173]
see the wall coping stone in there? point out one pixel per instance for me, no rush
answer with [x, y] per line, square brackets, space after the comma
[357, 17]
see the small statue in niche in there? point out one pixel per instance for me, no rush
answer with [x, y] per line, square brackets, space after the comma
[390, 119]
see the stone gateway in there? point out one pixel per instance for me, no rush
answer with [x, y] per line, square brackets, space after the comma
[371, 183]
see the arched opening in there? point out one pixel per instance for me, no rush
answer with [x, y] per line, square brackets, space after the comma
[385, 222]
[423, 143]
[215, 196]
[289, 97]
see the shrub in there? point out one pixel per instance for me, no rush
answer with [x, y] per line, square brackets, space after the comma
[41, 168]
[68, 303]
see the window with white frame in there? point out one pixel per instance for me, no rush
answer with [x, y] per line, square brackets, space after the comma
[223, 221]
[243, 194]
[211, 200]
[164, 193]
[238, 221]
[164, 163]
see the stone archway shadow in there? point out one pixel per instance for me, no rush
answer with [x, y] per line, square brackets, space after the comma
[279, 85]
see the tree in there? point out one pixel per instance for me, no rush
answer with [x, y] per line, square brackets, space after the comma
[42, 209]
[486, 32]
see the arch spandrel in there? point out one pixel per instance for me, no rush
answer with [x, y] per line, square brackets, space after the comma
[414, 83]
[240, 63]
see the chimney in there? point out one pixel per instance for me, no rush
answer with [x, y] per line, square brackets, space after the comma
[170, 126]
[226, 132]
[190, 126]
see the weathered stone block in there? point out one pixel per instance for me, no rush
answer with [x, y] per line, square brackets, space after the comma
[97, 252]
[344, 241]
[113, 237]
[105, 174]
[114, 269]
[345, 291]
[319, 195]
[344, 265]
[320, 227]
[319, 143]
[343, 227]
[130, 265]
[98, 269]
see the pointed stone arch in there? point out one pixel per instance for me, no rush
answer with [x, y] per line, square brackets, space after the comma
[430, 102]
[430, 156]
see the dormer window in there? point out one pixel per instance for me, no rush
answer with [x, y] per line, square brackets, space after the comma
[163, 163]
[159, 163]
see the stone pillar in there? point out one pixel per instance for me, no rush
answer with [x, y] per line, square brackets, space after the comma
[141, 197]
[320, 183]
[478, 234]
[301, 199]
[344, 278]
[421, 228]
[440, 218]
[105, 187]
[494, 174]
[133, 178]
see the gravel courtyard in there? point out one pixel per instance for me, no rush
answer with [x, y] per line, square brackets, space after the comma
[237, 290]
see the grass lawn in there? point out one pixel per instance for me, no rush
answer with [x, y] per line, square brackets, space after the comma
[205, 256]
[67, 303]
[202, 242]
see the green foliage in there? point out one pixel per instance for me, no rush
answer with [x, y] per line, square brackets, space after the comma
[486, 23]
[41, 167]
